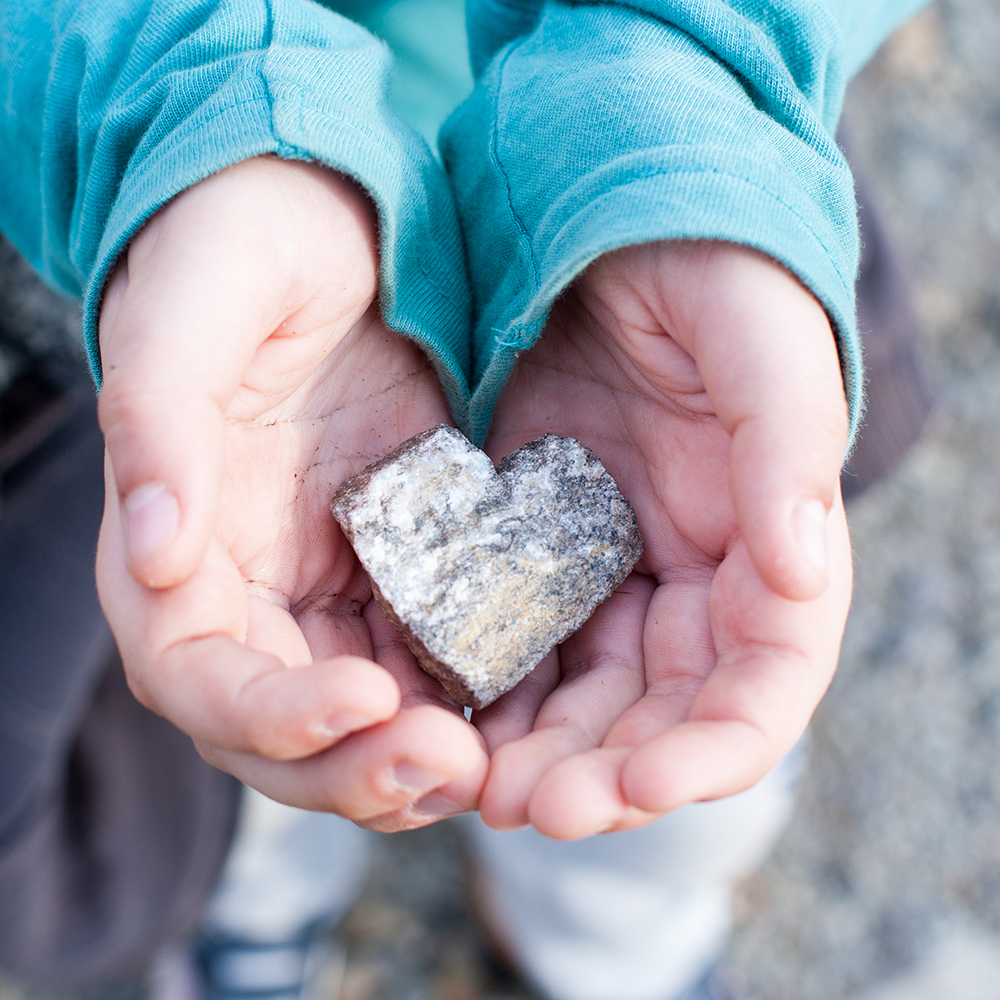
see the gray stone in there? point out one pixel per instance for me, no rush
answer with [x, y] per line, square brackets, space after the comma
[484, 570]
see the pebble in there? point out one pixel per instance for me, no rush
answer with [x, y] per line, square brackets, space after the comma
[483, 570]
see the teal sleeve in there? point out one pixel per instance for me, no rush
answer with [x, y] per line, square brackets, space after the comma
[595, 126]
[112, 107]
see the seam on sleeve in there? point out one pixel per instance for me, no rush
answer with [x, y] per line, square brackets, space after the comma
[593, 206]
[525, 236]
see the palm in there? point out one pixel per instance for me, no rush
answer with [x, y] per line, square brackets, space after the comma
[248, 374]
[608, 371]
[285, 456]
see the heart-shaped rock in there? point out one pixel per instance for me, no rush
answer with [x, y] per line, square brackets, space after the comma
[484, 570]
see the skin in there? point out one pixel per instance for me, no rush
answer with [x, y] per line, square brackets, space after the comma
[246, 369]
[248, 373]
[706, 379]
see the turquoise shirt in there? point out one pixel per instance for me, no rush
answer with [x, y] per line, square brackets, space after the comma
[591, 126]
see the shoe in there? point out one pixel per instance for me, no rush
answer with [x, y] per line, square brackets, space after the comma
[309, 967]
[712, 986]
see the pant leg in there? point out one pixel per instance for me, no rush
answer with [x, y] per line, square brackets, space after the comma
[630, 916]
[112, 828]
[899, 395]
[287, 870]
[56, 643]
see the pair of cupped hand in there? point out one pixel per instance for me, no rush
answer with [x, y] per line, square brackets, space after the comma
[247, 373]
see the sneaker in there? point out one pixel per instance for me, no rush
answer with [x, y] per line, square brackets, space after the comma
[310, 967]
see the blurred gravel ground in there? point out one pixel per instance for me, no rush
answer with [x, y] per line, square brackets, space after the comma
[891, 867]
[412, 936]
[896, 840]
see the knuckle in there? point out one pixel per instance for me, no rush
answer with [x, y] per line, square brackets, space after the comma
[269, 743]
[142, 692]
[211, 754]
[119, 407]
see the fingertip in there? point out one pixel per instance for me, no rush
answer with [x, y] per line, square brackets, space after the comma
[166, 457]
[580, 796]
[800, 569]
[443, 741]
[516, 768]
[461, 795]
[809, 526]
[344, 695]
[430, 780]
[367, 694]
[650, 785]
[151, 521]
[457, 796]
[782, 512]
[694, 762]
[504, 802]
[783, 507]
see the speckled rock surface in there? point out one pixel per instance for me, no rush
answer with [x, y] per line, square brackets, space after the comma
[484, 570]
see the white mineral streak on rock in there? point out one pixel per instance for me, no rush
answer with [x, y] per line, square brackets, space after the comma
[484, 570]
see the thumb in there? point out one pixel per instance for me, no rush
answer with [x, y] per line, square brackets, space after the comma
[161, 410]
[769, 361]
[208, 279]
[181, 320]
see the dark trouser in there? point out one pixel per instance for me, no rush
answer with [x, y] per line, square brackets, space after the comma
[899, 396]
[112, 828]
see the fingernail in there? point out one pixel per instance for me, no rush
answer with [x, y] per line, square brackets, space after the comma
[436, 804]
[414, 780]
[341, 723]
[809, 523]
[152, 516]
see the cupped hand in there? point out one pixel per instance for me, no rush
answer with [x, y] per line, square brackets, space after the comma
[246, 375]
[706, 379]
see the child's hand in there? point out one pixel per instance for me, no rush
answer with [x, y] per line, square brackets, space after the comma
[706, 379]
[246, 375]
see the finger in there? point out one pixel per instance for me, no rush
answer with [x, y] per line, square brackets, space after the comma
[185, 659]
[512, 716]
[377, 773]
[580, 796]
[391, 652]
[775, 660]
[231, 696]
[207, 281]
[679, 653]
[174, 344]
[454, 797]
[219, 690]
[144, 622]
[603, 674]
[768, 358]
[418, 688]
[516, 769]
